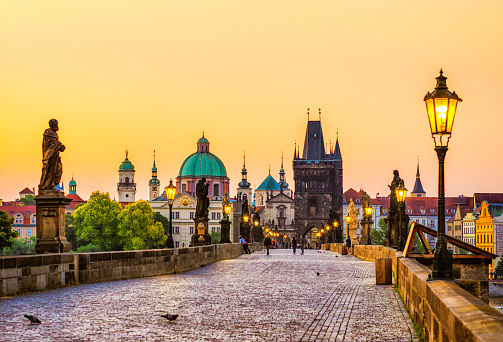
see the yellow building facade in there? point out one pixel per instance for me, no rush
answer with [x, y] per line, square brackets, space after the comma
[484, 231]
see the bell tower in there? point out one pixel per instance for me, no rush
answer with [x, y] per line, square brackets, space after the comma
[153, 184]
[126, 186]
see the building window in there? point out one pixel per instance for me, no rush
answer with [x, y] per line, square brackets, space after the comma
[312, 206]
[184, 188]
[176, 215]
[127, 180]
[215, 216]
[191, 215]
[34, 219]
[18, 219]
[432, 211]
[29, 232]
[191, 230]
[176, 230]
[19, 232]
[177, 244]
[216, 189]
[423, 222]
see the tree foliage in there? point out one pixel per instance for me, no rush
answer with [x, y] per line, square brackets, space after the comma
[164, 221]
[71, 232]
[28, 200]
[7, 235]
[215, 237]
[137, 228]
[21, 246]
[97, 222]
[379, 233]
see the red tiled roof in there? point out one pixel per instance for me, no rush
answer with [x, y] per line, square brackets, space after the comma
[25, 210]
[27, 191]
[489, 197]
[76, 200]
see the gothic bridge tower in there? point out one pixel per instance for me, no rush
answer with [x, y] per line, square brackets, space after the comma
[318, 180]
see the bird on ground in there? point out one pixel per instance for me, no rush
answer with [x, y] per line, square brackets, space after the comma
[169, 317]
[33, 319]
[317, 273]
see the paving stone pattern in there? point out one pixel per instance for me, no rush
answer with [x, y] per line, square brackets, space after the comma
[251, 298]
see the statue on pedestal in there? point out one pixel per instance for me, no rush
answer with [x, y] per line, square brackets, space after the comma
[203, 201]
[353, 215]
[392, 233]
[366, 222]
[51, 203]
[52, 169]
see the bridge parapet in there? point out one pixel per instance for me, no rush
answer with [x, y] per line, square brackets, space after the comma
[28, 273]
[442, 309]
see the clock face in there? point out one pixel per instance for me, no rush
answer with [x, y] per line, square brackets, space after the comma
[185, 202]
[154, 188]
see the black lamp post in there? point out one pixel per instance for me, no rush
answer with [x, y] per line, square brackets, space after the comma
[441, 107]
[170, 195]
[401, 192]
[368, 211]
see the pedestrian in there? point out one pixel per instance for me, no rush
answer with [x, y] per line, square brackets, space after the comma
[302, 244]
[267, 243]
[348, 245]
[294, 244]
[245, 244]
[183, 244]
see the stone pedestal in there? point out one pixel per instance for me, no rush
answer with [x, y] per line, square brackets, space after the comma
[200, 238]
[258, 235]
[244, 231]
[338, 235]
[352, 231]
[225, 227]
[383, 271]
[51, 222]
[366, 232]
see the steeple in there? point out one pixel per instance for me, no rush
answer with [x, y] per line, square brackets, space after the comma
[244, 184]
[283, 185]
[154, 183]
[337, 150]
[418, 187]
[72, 186]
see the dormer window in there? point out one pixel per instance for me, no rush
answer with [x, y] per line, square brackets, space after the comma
[409, 211]
[432, 211]
[357, 201]
[423, 211]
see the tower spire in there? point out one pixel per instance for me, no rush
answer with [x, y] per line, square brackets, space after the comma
[308, 114]
[418, 187]
[154, 158]
[319, 114]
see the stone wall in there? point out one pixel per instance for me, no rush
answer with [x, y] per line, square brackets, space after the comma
[442, 309]
[27, 273]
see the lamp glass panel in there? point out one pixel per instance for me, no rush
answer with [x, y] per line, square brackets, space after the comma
[431, 115]
[453, 103]
[441, 113]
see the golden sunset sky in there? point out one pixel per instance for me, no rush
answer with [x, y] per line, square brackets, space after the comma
[147, 75]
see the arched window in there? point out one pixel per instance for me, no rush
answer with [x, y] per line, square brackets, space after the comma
[127, 180]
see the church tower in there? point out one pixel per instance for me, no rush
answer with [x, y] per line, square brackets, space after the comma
[72, 187]
[244, 185]
[153, 184]
[282, 184]
[318, 180]
[418, 187]
[126, 186]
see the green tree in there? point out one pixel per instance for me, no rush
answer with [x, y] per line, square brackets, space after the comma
[164, 221]
[71, 232]
[379, 233]
[137, 228]
[7, 235]
[21, 246]
[97, 222]
[28, 200]
[499, 268]
[215, 237]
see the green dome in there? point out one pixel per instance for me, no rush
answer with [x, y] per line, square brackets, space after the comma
[73, 183]
[126, 166]
[203, 140]
[201, 164]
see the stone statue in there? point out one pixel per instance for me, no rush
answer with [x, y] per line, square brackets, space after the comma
[353, 214]
[244, 207]
[366, 202]
[225, 202]
[52, 169]
[256, 218]
[393, 203]
[352, 224]
[203, 201]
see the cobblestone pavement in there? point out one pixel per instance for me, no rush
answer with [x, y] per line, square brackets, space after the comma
[251, 298]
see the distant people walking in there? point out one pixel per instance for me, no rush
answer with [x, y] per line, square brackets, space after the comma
[267, 243]
[302, 244]
[348, 245]
[294, 244]
[245, 244]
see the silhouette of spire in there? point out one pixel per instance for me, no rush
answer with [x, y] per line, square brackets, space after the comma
[337, 149]
[418, 187]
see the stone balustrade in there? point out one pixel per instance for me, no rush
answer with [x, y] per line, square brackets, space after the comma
[27, 273]
[442, 309]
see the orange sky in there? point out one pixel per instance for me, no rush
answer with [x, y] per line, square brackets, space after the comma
[153, 74]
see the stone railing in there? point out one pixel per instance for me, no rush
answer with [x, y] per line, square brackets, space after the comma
[442, 309]
[27, 273]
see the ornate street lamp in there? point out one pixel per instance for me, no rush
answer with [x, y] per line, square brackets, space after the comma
[227, 209]
[368, 211]
[401, 192]
[170, 195]
[441, 107]
[245, 218]
[348, 220]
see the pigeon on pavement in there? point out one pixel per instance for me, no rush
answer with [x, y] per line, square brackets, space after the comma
[33, 319]
[169, 317]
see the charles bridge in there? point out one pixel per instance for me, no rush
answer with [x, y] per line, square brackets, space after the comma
[221, 295]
